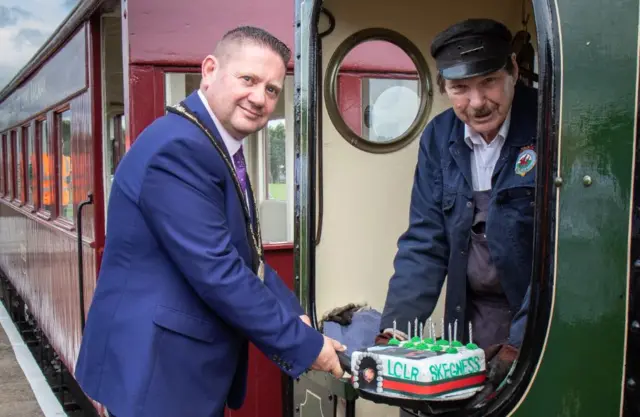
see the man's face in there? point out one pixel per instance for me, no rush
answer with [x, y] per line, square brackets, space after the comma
[483, 102]
[242, 86]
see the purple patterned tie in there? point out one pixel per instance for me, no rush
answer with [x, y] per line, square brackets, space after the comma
[241, 169]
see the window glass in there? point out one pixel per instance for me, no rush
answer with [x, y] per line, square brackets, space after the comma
[17, 143]
[31, 164]
[10, 148]
[65, 178]
[46, 170]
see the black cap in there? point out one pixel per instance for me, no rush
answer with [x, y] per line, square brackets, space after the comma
[471, 48]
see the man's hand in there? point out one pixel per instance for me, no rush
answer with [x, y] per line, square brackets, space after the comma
[499, 359]
[306, 319]
[327, 360]
[383, 339]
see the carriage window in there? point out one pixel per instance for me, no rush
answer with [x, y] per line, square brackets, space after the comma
[275, 161]
[19, 157]
[378, 106]
[2, 146]
[65, 173]
[46, 170]
[9, 152]
[31, 163]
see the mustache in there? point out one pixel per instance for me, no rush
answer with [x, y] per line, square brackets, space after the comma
[483, 112]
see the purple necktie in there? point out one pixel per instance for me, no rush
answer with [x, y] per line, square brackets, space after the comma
[241, 169]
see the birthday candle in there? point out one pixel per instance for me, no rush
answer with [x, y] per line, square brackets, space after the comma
[470, 333]
[415, 329]
[394, 328]
[455, 330]
[450, 332]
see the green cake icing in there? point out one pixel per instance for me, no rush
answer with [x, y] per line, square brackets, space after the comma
[408, 345]
[415, 339]
[456, 344]
[452, 350]
[422, 346]
[394, 342]
[436, 348]
[472, 346]
[429, 341]
[442, 342]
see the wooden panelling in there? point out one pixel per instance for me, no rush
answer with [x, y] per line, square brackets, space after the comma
[42, 263]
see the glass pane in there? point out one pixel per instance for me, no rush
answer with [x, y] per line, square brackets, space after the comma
[180, 85]
[47, 168]
[18, 146]
[390, 107]
[66, 185]
[10, 148]
[275, 161]
[2, 140]
[31, 165]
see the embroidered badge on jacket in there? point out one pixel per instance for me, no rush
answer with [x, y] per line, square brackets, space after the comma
[526, 160]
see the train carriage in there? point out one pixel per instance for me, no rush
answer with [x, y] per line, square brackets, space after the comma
[333, 173]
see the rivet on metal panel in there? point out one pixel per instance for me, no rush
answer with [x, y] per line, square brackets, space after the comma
[558, 181]
[586, 180]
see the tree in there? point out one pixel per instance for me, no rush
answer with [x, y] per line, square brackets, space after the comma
[276, 152]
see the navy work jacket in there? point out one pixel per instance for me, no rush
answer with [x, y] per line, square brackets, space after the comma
[437, 240]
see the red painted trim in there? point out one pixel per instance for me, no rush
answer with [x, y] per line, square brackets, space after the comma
[268, 247]
[434, 389]
[146, 99]
[40, 218]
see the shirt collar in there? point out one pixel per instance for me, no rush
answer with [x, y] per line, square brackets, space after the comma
[471, 137]
[233, 145]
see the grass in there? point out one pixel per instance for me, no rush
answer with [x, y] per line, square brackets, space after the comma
[278, 191]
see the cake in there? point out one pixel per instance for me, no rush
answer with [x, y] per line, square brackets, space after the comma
[420, 369]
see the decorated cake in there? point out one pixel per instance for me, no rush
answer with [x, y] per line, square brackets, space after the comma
[420, 368]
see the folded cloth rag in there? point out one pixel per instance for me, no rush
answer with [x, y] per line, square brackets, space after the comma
[355, 326]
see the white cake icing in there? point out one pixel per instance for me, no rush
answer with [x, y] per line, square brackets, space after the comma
[420, 372]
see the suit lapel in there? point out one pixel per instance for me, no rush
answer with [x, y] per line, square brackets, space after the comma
[195, 105]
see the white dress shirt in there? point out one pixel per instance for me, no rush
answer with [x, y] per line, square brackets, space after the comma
[485, 155]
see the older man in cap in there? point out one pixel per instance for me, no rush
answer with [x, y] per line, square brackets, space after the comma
[472, 203]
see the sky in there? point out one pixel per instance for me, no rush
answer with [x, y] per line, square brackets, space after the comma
[24, 26]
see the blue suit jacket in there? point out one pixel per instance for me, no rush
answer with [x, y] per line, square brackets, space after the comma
[176, 300]
[436, 242]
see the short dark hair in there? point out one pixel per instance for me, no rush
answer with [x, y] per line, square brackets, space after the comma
[258, 36]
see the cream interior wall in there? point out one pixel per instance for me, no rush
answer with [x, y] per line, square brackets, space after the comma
[367, 196]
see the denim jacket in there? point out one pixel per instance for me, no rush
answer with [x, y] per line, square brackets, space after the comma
[436, 243]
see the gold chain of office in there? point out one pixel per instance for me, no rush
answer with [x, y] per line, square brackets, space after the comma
[182, 110]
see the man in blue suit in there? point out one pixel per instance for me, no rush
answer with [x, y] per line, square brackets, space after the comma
[183, 287]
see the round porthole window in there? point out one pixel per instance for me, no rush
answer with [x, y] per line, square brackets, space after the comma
[378, 90]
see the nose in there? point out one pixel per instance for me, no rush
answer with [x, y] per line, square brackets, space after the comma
[257, 98]
[476, 99]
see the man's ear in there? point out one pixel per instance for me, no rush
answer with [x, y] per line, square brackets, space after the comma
[516, 69]
[209, 67]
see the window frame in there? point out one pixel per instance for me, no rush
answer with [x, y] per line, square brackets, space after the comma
[60, 220]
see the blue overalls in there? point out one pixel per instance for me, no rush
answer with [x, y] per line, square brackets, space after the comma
[438, 240]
